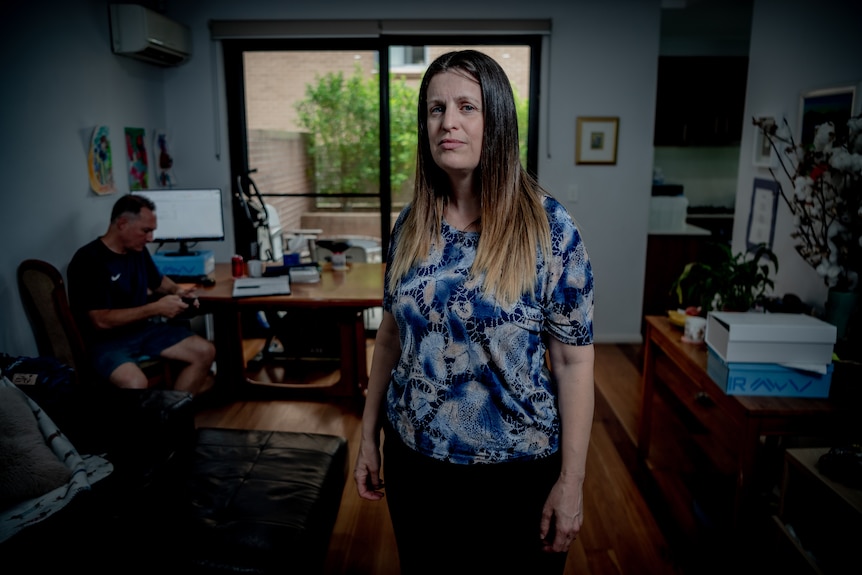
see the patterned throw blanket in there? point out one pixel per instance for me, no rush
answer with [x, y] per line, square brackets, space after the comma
[85, 471]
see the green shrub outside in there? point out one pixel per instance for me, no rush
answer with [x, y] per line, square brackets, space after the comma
[342, 114]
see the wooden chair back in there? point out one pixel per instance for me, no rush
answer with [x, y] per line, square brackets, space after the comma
[43, 293]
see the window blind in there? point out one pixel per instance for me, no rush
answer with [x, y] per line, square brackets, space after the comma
[254, 29]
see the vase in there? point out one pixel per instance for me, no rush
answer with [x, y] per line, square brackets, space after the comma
[840, 308]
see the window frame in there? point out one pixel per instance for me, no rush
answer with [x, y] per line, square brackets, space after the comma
[234, 74]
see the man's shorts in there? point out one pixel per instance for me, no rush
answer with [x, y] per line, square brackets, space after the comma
[141, 345]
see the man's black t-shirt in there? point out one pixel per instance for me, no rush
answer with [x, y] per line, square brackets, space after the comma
[102, 279]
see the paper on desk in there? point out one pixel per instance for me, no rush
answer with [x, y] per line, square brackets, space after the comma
[304, 274]
[250, 287]
[810, 367]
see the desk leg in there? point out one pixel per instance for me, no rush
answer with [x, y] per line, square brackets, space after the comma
[647, 392]
[354, 370]
[227, 332]
[359, 345]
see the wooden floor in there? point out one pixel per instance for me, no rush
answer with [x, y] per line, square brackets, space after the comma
[629, 527]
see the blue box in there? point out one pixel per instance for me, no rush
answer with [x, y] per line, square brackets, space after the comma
[199, 263]
[769, 379]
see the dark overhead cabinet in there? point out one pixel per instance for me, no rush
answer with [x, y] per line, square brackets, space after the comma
[700, 100]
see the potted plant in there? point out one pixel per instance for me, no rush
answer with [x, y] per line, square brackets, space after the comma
[727, 282]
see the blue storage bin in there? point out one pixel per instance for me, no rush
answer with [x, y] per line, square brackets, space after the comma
[770, 379]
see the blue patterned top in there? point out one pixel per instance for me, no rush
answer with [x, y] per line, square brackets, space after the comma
[472, 385]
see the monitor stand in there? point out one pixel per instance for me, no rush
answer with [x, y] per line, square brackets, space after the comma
[193, 267]
[184, 251]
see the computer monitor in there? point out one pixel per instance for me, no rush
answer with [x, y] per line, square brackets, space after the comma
[187, 216]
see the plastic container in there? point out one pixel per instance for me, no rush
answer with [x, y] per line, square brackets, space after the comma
[667, 213]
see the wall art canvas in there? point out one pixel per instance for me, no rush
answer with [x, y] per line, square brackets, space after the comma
[164, 160]
[832, 105]
[99, 161]
[136, 152]
[761, 218]
[764, 154]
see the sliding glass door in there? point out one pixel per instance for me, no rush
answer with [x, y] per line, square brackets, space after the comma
[326, 130]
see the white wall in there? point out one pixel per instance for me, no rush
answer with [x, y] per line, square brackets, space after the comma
[707, 174]
[796, 46]
[61, 80]
[602, 60]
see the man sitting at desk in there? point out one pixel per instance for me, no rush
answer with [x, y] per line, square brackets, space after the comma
[112, 281]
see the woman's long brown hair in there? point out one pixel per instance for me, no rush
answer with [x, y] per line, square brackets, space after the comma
[513, 221]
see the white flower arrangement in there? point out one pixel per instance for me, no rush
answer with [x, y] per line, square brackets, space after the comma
[826, 179]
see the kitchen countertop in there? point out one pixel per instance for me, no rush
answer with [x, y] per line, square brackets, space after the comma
[706, 216]
[688, 230]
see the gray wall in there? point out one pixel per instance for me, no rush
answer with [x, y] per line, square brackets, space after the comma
[796, 47]
[61, 79]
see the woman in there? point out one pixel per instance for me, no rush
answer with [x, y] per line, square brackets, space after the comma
[484, 450]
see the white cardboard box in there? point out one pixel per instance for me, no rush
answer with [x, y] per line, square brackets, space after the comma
[770, 337]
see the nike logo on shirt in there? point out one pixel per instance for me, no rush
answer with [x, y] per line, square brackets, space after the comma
[115, 278]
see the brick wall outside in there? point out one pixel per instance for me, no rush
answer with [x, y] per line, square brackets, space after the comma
[280, 160]
[275, 80]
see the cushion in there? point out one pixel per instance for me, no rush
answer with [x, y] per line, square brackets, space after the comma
[28, 467]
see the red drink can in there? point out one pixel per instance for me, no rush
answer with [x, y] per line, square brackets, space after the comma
[237, 266]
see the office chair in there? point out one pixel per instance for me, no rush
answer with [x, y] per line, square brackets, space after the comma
[300, 334]
[356, 249]
[43, 293]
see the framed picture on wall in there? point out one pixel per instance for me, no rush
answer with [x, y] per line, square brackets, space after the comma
[100, 162]
[834, 105]
[764, 153]
[761, 218]
[596, 140]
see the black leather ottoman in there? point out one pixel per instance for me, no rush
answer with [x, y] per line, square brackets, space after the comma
[261, 501]
[181, 499]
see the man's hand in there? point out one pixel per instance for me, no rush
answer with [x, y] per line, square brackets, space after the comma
[186, 292]
[171, 306]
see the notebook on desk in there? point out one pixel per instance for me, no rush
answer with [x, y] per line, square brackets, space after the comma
[253, 287]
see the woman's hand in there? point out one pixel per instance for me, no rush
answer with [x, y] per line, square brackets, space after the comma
[563, 515]
[387, 350]
[367, 471]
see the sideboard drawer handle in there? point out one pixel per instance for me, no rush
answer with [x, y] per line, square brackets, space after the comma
[702, 398]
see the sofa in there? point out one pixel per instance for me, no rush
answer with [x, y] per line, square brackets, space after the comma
[148, 492]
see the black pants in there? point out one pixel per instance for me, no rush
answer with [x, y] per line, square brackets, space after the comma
[455, 519]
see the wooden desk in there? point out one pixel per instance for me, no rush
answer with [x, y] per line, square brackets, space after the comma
[741, 420]
[345, 294]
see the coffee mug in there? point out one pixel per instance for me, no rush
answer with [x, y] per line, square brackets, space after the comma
[255, 268]
[695, 329]
[339, 261]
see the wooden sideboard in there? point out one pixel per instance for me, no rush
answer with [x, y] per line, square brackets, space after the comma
[736, 421]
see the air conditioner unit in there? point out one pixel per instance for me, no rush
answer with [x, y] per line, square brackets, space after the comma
[140, 33]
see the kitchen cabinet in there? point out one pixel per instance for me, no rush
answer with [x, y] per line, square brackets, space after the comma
[720, 224]
[700, 100]
[668, 252]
